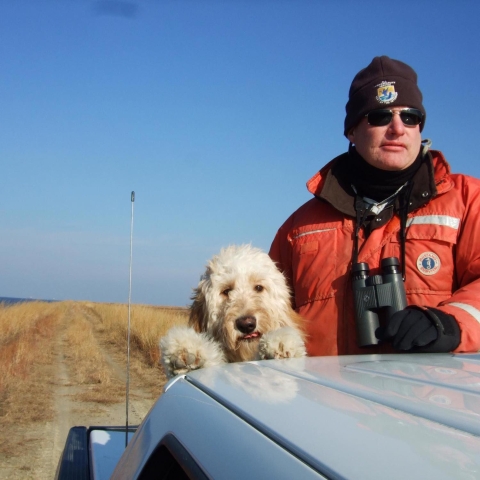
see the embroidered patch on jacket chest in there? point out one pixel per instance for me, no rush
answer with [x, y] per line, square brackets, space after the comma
[428, 263]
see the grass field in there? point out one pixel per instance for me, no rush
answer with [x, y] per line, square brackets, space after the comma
[87, 340]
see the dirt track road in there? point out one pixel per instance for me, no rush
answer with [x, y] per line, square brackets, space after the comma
[39, 445]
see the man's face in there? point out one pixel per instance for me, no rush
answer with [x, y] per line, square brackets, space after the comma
[390, 147]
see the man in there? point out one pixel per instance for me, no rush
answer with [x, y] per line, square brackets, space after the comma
[388, 196]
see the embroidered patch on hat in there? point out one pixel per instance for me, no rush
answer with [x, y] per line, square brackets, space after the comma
[428, 263]
[386, 92]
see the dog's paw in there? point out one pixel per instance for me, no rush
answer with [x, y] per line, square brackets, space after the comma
[286, 342]
[184, 361]
[183, 350]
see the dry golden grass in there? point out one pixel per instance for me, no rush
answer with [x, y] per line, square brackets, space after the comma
[27, 335]
[147, 325]
[26, 331]
[20, 318]
[64, 360]
[88, 363]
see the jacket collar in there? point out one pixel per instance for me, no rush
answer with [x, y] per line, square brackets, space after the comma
[432, 179]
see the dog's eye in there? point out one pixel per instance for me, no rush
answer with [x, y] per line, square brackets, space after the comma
[226, 292]
[259, 288]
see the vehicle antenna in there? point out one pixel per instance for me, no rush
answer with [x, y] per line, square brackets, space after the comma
[132, 199]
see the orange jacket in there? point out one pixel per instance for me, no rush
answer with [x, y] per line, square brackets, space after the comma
[314, 249]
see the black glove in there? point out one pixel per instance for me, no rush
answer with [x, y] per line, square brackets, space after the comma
[417, 330]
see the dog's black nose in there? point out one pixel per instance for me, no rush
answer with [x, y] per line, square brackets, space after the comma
[246, 324]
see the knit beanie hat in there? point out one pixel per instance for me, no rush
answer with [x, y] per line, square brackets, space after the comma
[384, 83]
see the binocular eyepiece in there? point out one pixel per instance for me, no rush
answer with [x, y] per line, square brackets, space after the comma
[376, 295]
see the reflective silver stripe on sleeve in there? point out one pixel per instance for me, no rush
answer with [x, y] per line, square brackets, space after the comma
[444, 220]
[312, 232]
[468, 308]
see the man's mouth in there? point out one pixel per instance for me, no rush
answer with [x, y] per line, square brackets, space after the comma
[393, 145]
[251, 336]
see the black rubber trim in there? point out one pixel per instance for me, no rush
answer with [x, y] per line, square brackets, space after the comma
[171, 461]
[74, 462]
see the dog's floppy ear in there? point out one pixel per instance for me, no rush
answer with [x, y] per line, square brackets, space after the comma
[198, 315]
[197, 311]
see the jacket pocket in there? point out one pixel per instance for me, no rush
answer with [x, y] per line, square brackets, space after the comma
[314, 264]
[430, 256]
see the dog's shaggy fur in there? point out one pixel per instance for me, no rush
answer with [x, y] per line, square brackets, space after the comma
[241, 311]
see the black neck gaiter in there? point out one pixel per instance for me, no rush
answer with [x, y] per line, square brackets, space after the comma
[373, 182]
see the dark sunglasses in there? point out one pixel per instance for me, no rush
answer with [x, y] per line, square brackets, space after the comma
[381, 117]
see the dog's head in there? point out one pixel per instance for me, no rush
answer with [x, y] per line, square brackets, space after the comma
[241, 296]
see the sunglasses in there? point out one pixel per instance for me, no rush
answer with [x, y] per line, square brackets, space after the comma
[381, 117]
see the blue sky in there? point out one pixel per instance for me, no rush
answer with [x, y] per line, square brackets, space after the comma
[215, 112]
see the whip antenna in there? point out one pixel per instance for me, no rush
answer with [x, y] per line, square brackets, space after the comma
[132, 199]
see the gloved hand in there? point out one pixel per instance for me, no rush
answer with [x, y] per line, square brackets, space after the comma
[417, 330]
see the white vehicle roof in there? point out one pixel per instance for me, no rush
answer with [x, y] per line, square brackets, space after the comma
[358, 417]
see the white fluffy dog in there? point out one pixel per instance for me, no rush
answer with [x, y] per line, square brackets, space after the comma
[241, 311]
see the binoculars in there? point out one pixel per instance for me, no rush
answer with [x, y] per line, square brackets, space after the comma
[376, 297]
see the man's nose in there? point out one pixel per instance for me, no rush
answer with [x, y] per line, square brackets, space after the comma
[396, 125]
